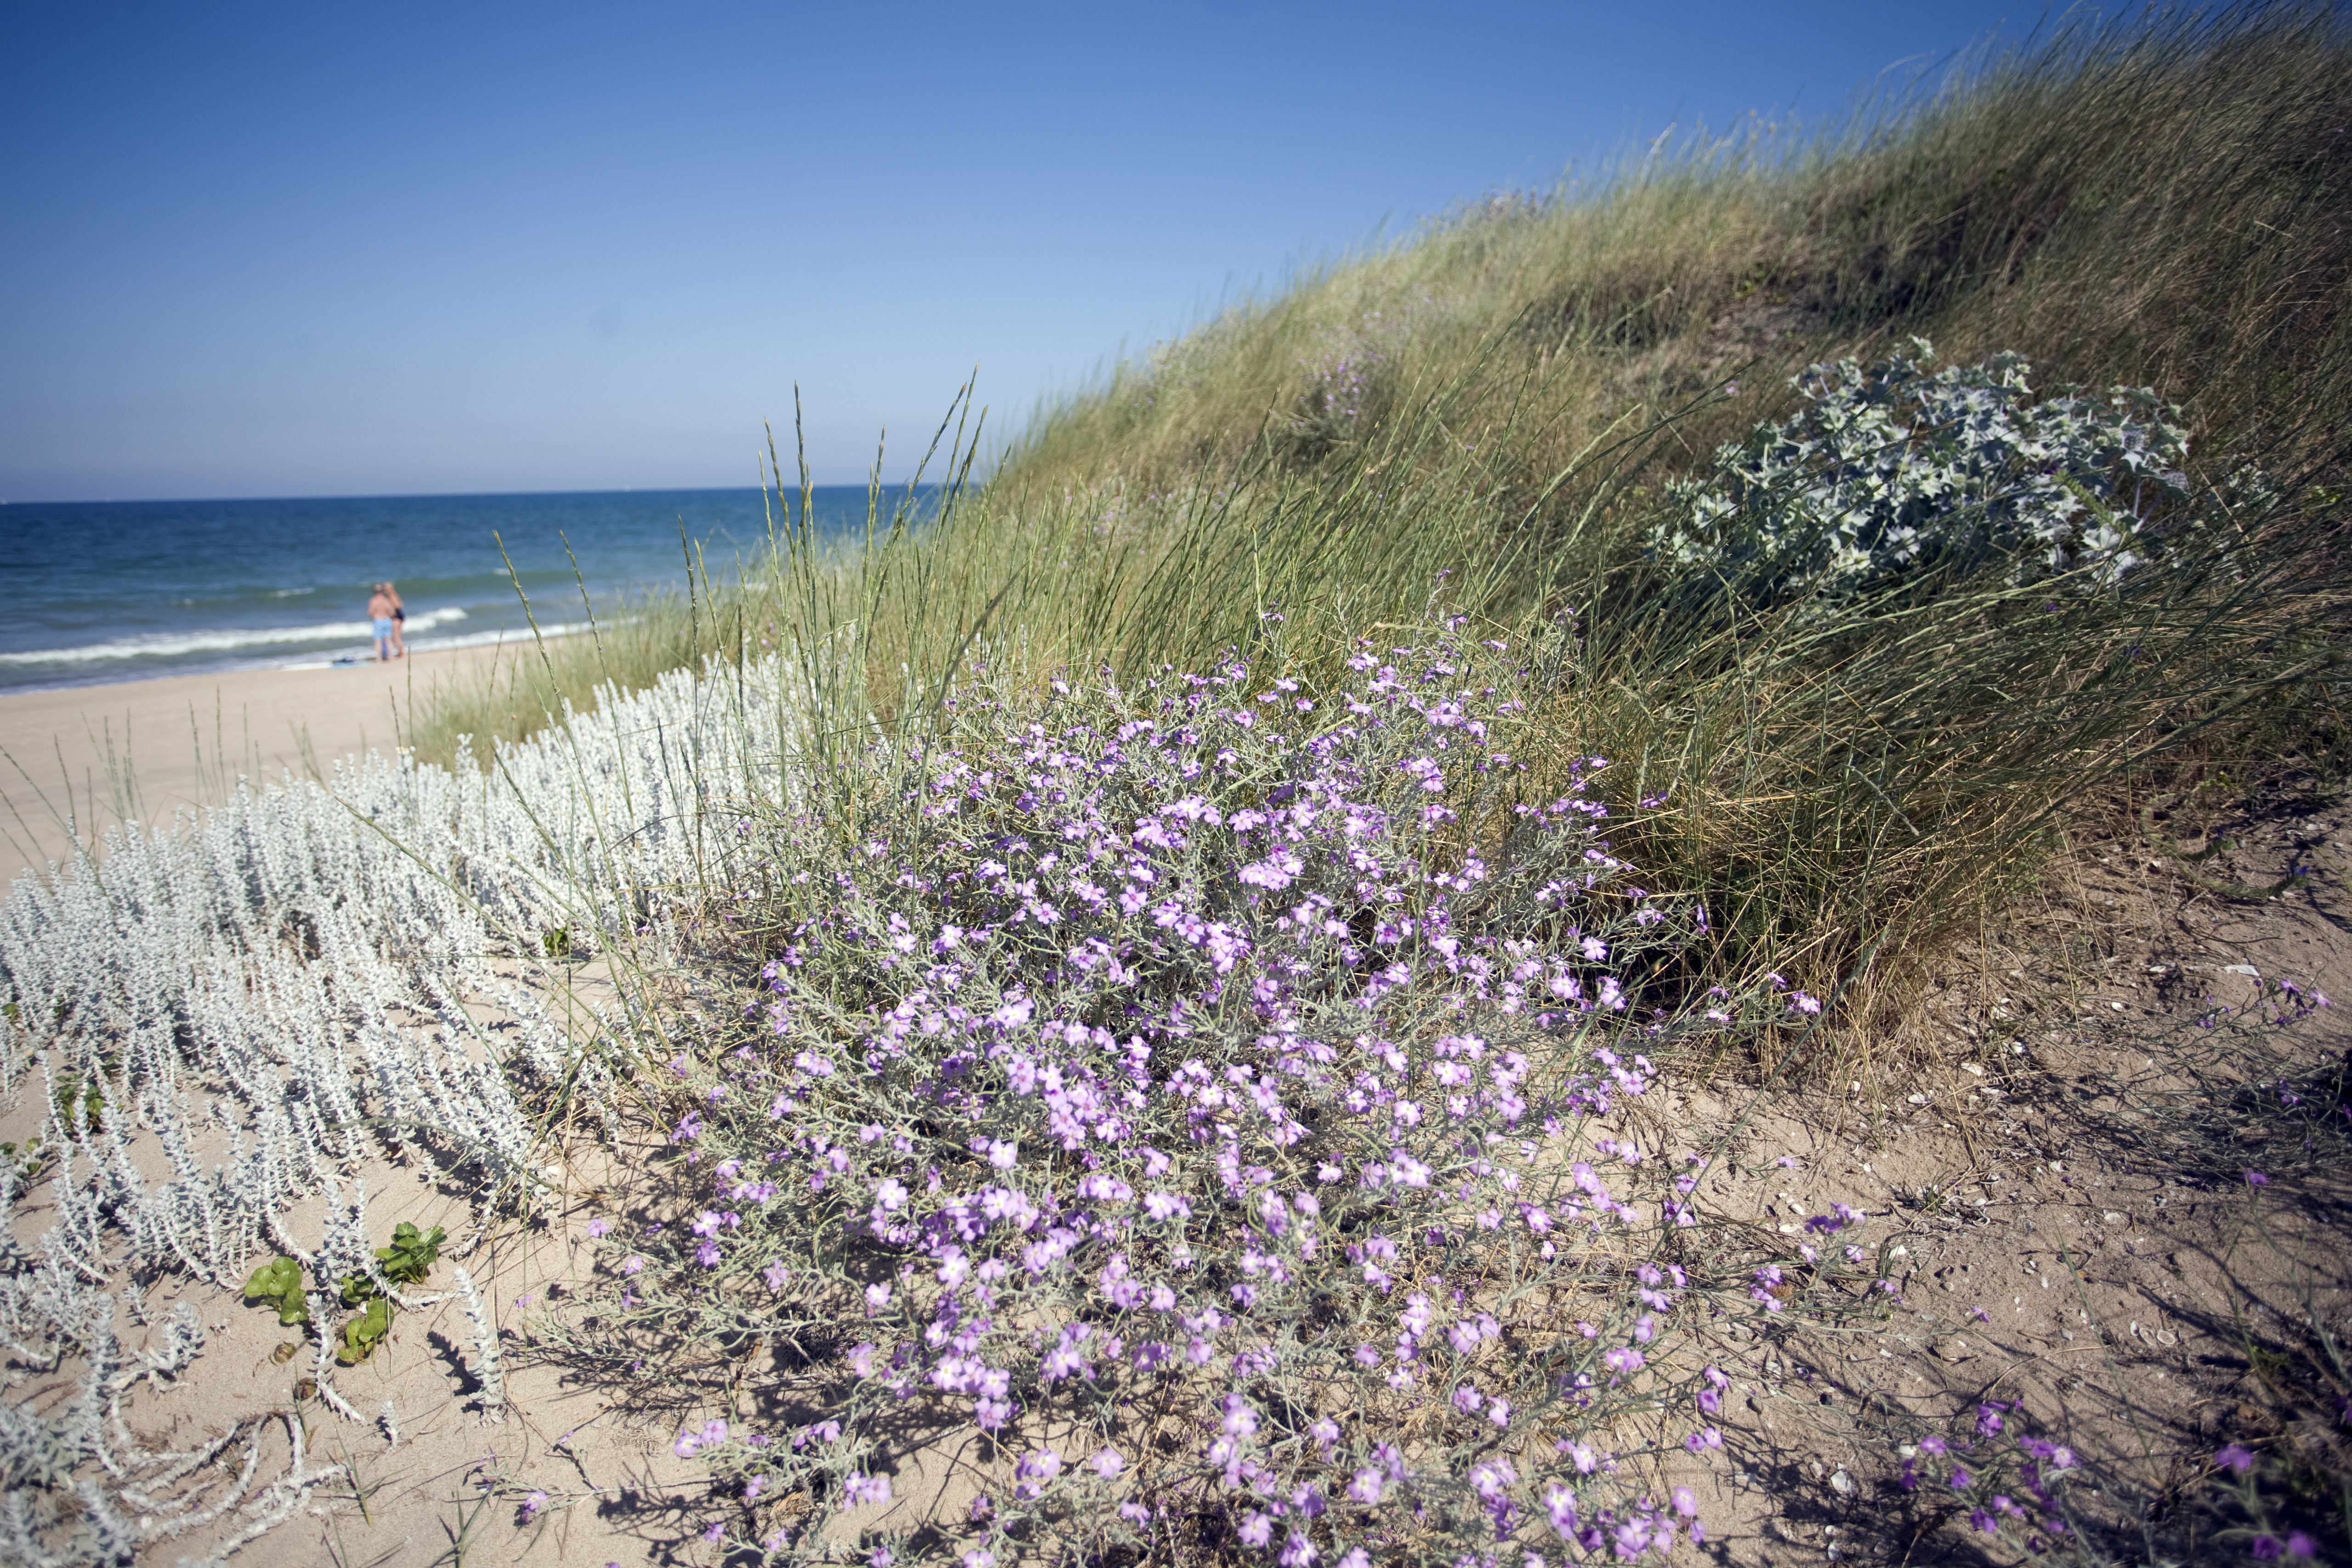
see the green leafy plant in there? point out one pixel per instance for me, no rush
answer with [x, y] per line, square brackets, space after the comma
[363, 1333]
[280, 1283]
[24, 1162]
[412, 1253]
[406, 1261]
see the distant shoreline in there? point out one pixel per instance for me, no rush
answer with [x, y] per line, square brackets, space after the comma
[102, 594]
[100, 677]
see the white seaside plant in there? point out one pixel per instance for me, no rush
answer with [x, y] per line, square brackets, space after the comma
[253, 1004]
[1895, 467]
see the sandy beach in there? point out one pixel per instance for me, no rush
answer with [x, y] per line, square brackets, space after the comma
[140, 750]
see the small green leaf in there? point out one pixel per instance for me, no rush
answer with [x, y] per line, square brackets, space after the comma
[280, 1282]
[363, 1333]
[412, 1254]
[274, 1278]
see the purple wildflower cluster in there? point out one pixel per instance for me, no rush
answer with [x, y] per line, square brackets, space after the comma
[2012, 1486]
[1337, 390]
[1194, 1090]
[2021, 1463]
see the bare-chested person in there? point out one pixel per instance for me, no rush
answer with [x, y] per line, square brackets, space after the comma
[380, 619]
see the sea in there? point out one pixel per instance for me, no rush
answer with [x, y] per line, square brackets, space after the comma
[105, 591]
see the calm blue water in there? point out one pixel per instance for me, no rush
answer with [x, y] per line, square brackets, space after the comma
[128, 590]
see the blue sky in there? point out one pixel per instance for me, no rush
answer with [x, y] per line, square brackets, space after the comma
[337, 249]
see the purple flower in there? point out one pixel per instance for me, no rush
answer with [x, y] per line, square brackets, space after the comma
[1034, 1471]
[860, 1489]
[2236, 1458]
[2256, 1179]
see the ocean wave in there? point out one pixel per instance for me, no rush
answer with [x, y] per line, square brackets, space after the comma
[167, 644]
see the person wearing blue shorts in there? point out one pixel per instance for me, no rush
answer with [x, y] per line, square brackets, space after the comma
[380, 620]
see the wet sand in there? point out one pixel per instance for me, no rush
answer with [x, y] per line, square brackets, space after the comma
[140, 751]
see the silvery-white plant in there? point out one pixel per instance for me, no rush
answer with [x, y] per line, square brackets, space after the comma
[265, 996]
[81, 1490]
[1896, 465]
[485, 1348]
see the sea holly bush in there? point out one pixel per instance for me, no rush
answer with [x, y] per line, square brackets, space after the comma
[1897, 466]
[1202, 1118]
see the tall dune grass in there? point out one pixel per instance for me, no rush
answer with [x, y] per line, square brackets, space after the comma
[1485, 419]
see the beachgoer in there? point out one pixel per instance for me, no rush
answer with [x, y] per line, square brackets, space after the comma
[381, 622]
[399, 621]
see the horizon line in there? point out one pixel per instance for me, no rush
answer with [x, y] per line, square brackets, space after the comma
[888, 488]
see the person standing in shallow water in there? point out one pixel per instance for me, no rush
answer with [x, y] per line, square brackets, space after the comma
[399, 621]
[380, 622]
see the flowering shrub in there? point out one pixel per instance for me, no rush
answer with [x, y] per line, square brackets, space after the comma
[1199, 1111]
[1893, 468]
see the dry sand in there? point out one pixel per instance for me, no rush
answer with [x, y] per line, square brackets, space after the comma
[143, 749]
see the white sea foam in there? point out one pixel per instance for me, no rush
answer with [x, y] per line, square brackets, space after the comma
[163, 644]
